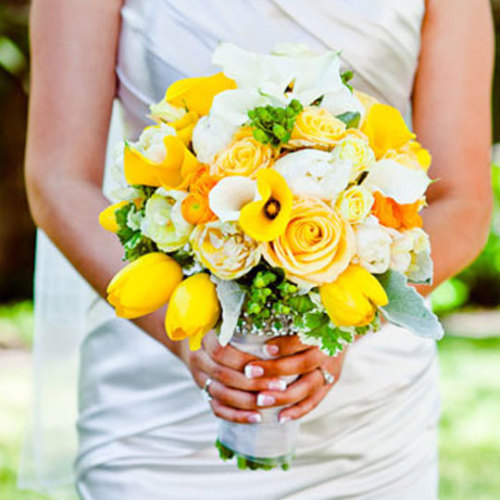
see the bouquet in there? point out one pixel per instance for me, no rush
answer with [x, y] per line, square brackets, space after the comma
[272, 199]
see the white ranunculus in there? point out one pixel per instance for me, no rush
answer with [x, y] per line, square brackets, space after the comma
[210, 136]
[230, 195]
[403, 184]
[401, 246]
[373, 246]
[314, 173]
[163, 221]
[150, 143]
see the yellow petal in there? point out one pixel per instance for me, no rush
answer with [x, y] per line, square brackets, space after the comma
[254, 218]
[170, 173]
[366, 282]
[386, 129]
[193, 309]
[107, 218]
[197, 94]
[185, 126]
[144, 285]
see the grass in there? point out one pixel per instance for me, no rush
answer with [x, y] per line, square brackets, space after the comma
[469, 439]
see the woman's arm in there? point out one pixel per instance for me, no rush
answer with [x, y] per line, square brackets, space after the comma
[452, 110]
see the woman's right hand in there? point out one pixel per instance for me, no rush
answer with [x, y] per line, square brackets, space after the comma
[234, 395]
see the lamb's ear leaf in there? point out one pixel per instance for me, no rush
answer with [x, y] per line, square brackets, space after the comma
[407, 308]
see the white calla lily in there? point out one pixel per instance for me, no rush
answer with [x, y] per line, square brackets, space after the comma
[314, 173]
[230, 195]
[402, 184]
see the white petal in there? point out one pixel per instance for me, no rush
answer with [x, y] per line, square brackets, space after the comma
[230, 195]
[314, 173]
[211, 135]
[403, 184]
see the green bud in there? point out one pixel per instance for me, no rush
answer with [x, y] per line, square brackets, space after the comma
[259, 281]
[260, 135]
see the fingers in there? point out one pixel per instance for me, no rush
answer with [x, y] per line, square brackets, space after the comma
[229, 377]
[305, 406]
[228, 355]
[240, 417]
[296, 364]
[284, 346]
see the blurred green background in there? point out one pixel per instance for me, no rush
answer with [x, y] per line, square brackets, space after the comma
[469, 305]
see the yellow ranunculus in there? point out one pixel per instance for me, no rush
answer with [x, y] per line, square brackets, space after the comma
[353, 298]
[197, 94]
[193, 310]
[267, 218]
[245, 156]
[144, 285]
[107, 218]
[185, 126]
[355, 148]
[316, 246]
[170, 173]
[223, 248]
[355, 204]
[386, 129]
[412, 155]
[317, 127]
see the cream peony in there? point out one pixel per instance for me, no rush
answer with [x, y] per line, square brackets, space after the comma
[224, 249]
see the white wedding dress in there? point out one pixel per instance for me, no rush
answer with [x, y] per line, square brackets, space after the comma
[144, 429]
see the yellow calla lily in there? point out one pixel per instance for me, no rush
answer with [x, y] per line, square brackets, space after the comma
[197, 94]
[353, 298]
[193, 310]
[170, 173]
[144, 285]
[267, 218]
[386, 129]
[184, 126]
[107, 218]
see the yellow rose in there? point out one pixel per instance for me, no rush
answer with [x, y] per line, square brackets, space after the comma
[225, 249]
[317, 245]
[355, 204]
[355, 149]
[353, 298]
[144, 286]
[193, 310]
[317, 127]
[245, 156]
[411, 155]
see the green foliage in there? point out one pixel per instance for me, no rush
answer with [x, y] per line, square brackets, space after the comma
[347, 76]
[274, 125]
[350, 118]
[134, 243]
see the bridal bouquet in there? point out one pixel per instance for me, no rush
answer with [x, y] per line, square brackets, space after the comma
[272, 199]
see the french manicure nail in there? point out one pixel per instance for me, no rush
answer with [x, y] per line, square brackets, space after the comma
[270, 350]
[284, 419]
[265, 400]
[252, 371]
[277, 385]
[255, 418]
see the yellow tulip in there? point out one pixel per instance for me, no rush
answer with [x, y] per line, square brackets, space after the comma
[107, 218]
[179, 162]
[193, 310]
[185, 126]
[144, 286]
[267, 218]
[197, 94]
[386, 129]
[353, 298]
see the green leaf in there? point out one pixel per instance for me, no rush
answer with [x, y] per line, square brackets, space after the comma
[347, 76]
[350, 118]
[406, 307]
[301, 304]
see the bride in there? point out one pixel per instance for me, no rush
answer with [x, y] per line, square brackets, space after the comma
[145, 431]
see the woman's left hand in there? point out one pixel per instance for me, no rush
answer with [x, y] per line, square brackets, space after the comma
[292, 357]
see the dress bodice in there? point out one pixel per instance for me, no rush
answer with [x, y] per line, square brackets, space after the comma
[165, 40]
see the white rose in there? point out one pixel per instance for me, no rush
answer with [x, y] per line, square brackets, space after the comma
[163, 221]
[313, 173]
[373, 246]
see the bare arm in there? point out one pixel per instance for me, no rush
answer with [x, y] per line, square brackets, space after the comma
[74, 47]
[452, 106]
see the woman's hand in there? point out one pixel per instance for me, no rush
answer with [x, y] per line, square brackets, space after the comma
[295, 358]
[242, 384]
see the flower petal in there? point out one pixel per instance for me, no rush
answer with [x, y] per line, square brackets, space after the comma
[230, 195]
